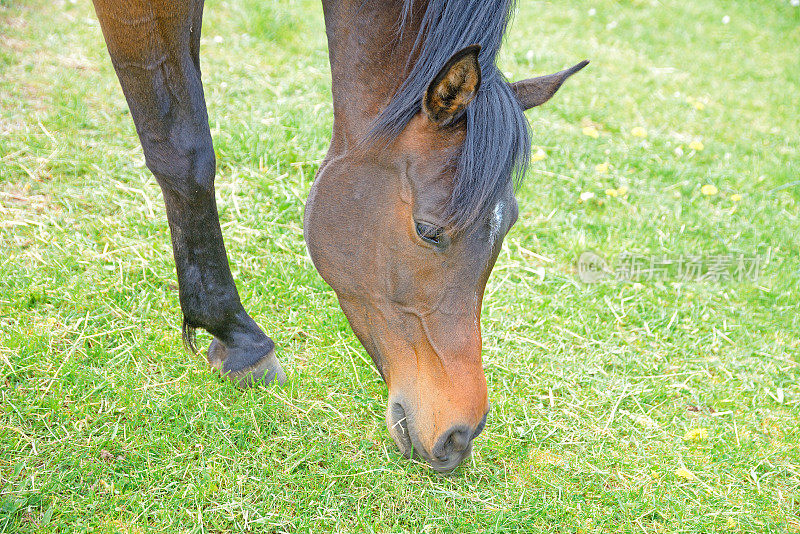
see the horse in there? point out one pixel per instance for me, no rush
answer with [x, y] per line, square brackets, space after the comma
[408, 210]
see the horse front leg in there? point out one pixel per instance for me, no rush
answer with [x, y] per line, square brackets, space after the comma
[154, 46]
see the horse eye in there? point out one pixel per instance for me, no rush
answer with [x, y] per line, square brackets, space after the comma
[429, 233]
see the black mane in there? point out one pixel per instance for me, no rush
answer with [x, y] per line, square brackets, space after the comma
[497, 143]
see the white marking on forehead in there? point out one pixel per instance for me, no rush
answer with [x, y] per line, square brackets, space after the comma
[496, 223]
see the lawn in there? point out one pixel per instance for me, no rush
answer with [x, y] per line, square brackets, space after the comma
[660, 404]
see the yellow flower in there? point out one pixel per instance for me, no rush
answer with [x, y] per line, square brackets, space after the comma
[696, 434]
[539, 155]
[591, 131]
[696, 145]
[684, 473]
[699, 106]
[601, 168]
[736, 197]
[709, 190]
[639, 132]
[621, 191]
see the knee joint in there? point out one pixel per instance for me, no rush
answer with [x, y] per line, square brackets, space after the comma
[187, 171]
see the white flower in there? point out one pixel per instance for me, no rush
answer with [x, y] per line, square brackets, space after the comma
[726, 19]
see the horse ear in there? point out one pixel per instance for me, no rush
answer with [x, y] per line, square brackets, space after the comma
[536, 91]
[456, 85]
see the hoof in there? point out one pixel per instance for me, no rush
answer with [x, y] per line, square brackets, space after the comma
[268, 368]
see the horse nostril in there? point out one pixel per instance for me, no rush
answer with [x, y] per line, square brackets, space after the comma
[460, 440]
[454, 441]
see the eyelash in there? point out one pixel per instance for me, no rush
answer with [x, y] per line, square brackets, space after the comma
[430, 234]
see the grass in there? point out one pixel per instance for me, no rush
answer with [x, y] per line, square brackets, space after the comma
[659, 406]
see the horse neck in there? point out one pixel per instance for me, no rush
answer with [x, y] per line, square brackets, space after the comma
[368, 60]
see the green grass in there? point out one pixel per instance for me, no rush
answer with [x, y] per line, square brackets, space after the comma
[107, 424]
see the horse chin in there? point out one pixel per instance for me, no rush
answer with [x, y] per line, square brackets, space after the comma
[450, 465]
